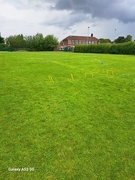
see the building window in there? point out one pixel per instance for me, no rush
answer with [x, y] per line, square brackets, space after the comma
[76, 41]
[92, 42]
[72, 41]
[89, 42]
[83, 42]
[79, 41]
[69, 41]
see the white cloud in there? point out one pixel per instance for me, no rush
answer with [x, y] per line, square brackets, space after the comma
[51, 17]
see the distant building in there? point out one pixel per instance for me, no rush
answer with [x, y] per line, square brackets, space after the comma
[71, 41]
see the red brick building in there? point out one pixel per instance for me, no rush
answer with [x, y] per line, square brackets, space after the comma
[71, 41]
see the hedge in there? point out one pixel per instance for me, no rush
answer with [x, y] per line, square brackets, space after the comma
[3, 47]
[121, 48]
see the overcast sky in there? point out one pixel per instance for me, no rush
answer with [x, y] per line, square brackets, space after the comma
[105, 18]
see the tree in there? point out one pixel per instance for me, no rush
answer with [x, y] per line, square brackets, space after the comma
[50, 42]
[38, 42]
[33, 43]
[29, 42]
[102, 40]
[120, 39]
[3, 46]
[128, 38]
[1, 39]
[16, 41]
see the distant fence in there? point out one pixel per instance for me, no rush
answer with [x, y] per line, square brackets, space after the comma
[67, 49]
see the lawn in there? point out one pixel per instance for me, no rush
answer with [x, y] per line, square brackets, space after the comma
[67, 116]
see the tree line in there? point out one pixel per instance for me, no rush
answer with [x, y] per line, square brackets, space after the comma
[31, 43]
[40, 43]
[120, 39]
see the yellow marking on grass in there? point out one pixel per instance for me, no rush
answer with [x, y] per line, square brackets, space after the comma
[90, 74]
[72, 77]
[111, 71]
[50, 79]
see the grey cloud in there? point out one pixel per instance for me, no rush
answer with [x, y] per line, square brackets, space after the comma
[122, 10]
[27, 4]
[67, 21]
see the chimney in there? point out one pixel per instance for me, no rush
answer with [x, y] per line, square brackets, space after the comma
[91, 35]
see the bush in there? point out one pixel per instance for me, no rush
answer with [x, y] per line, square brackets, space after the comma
[93, 48]
[3, 47]
[122, 48]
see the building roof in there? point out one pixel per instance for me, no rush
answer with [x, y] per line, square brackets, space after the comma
[85, 38]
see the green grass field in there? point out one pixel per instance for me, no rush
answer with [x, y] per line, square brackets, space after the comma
[67, 116]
